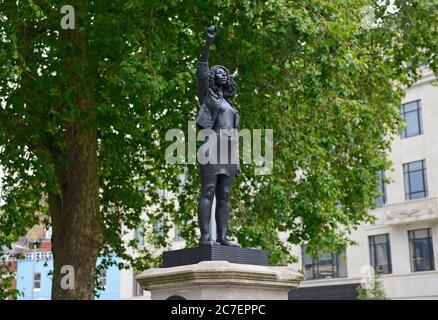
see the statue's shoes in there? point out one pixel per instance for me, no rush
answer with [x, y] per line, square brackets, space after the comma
[226, 242]
[208, 242]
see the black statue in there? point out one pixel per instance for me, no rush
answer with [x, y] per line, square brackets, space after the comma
[216, 87]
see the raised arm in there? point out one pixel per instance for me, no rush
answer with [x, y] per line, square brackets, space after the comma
[211, 33]
[202, 70]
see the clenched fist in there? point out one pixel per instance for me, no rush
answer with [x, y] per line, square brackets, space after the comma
[211, 32]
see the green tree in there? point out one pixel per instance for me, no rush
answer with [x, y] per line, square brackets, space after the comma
[7, 289]
[84, 113]
[373, 290]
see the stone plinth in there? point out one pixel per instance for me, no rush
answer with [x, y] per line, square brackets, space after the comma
[220, 280]
[240, 255]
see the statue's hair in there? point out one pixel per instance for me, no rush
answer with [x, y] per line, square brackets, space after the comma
[229, 89]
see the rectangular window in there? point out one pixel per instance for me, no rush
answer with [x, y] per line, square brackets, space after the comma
[103, 277]
[37, 281]
[381, 200]
[159, 226]
[421, 250]
[178, 236]
[327, 266]
[411, 112]
[380, 253]
[138, 235]
[415, 180]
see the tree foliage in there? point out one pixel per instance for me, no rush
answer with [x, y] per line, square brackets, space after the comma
[327, 84]
[7, 290]
[373, 290]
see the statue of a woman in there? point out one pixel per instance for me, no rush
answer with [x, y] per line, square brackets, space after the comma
[216, 87]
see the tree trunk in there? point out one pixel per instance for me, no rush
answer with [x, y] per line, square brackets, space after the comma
[76, 219]
[77, 224]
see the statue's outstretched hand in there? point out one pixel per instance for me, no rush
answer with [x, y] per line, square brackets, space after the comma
[211, 32]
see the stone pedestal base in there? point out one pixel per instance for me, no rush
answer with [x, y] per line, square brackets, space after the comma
[182, 257]
[220, 280]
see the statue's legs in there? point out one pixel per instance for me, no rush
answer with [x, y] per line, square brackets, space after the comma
[208, 186]
[223, 190]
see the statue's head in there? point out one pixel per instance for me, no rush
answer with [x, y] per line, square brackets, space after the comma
[220, 77]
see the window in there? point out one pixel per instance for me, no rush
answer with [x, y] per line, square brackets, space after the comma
[380, 253]
[138, 235]
[102, 278]
[411, 112]
[381, 200]
[415, 180]
[178, 236]
[37, 281]
[324, 266]
[421, 250]
[159, 226]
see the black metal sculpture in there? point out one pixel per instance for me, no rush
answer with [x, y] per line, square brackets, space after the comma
[216, 87]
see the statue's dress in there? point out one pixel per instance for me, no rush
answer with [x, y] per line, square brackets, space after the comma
[220, 115]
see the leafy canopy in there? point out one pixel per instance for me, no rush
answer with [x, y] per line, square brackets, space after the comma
[326, 83]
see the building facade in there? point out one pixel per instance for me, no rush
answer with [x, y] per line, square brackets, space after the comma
[34, 266]
[402, 244]
[34, 278]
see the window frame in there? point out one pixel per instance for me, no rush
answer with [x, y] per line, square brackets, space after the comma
[315, 266]
[413, 260]
[35, 281]
[139, 236]
[103, 278]
[372, 243]
[418, 110]
[407, 182]
[178, 236]
[382, 192]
